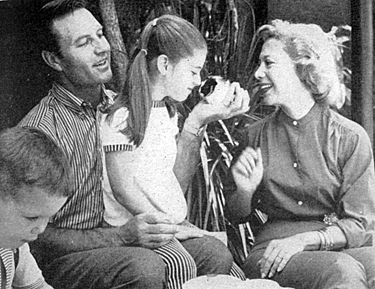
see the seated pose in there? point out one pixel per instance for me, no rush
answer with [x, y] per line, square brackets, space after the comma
[139, 140]
[34, 185]
[309, 169]
[78, 249]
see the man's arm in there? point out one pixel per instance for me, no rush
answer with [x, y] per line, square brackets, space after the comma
[144, 230]
[59, 242]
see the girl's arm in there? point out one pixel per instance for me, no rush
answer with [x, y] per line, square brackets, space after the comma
[236, 102]
[120, 170]
[145, 186]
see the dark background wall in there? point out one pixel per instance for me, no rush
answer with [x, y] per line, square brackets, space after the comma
[326, 13]
[24, 79]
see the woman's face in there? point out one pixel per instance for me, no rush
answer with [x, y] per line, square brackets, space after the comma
[185, 75]
[277, 72]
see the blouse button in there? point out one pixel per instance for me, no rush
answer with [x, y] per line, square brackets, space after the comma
[300, 203]
[295, 165]
[295, 122]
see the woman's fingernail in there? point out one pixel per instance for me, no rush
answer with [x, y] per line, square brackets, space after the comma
[263, 275]
[270, 275]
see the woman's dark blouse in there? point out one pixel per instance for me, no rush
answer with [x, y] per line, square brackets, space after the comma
[320, 164]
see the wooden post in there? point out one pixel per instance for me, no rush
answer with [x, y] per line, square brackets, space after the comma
[362, 64]
[119, 55]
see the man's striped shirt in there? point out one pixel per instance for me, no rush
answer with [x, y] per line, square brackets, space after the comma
[71, 123]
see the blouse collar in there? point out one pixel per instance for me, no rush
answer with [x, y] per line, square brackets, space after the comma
[313, 114]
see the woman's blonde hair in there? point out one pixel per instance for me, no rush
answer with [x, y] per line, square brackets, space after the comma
[315, 54]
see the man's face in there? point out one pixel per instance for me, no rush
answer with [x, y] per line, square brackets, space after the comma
[23, 219]
[85, 52]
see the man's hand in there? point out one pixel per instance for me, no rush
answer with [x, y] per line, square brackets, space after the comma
[148, 230]
[185, 233]
[248, 170]
[278, 254]
[236, 102]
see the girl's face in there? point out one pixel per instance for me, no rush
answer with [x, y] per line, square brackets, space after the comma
[277, 72]
[185, 75]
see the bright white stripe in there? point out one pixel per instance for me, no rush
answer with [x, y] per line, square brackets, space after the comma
[180, 266]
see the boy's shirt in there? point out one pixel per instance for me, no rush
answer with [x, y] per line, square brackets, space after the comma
[25, 274]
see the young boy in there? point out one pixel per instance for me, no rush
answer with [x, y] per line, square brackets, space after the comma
[34, 185]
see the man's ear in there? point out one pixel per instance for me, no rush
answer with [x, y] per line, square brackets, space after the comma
[52, 60]
[162, 64]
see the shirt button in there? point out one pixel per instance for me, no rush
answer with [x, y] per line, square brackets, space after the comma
[295, 165]
[295, 122]
[300, 203]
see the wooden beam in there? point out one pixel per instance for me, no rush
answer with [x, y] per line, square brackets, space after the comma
[362, 64]
[119, 54]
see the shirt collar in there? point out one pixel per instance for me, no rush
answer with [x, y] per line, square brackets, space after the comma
[75, 103]
[310, 116]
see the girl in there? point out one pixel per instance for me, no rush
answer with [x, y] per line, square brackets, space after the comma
[139, 139]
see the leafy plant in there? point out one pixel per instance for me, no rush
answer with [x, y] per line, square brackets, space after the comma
[232, 42]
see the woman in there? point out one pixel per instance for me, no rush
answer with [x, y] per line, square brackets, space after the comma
[309, 169]
[139, 138]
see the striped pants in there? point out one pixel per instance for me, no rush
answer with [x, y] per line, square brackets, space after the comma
[188, 259]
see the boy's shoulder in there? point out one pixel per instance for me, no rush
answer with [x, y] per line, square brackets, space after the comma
[27, 272]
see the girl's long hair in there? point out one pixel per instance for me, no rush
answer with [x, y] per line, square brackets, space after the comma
[170, 35]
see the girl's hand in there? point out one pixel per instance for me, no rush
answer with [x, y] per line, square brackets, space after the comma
[248, 170]
[277, 255]
[235, 102]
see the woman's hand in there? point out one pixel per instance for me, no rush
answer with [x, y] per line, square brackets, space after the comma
[248, 170]
[277, 255]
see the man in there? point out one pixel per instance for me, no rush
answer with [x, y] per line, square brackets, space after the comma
[34, 185]
[78, 250]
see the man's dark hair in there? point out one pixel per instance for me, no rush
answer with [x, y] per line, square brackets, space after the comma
[29, 158]
[48, 40]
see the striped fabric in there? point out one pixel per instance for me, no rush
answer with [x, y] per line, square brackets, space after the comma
[71, 123]
[7, 268]
[236, 271]
[179, 265]
[118, 147]
[21, 274]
